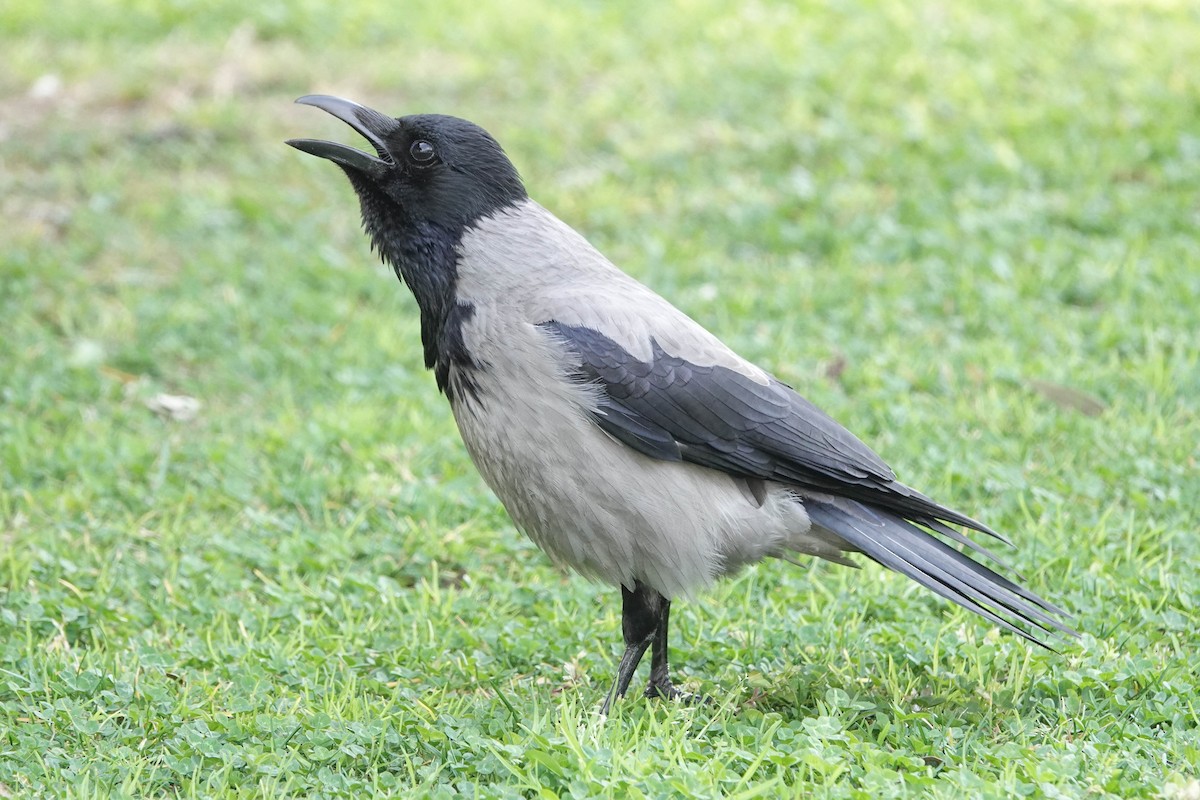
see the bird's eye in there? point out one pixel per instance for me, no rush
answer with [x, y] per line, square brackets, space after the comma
[421, 152]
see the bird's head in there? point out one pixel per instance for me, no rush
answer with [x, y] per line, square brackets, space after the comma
[427, 170]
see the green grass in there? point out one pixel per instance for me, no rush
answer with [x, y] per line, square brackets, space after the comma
[952, 225]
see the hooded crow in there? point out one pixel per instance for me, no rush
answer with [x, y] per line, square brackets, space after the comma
[622, 437]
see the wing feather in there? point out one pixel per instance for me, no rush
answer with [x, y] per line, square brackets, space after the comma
[669, 408]
[724, 419]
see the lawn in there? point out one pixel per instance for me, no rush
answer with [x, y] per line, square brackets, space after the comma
[244, 554]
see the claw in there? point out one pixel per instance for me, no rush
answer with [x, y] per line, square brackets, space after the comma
[669, 691]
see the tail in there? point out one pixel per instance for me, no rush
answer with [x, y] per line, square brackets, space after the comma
[899, 544]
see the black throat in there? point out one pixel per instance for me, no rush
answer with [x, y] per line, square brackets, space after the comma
[424, 256]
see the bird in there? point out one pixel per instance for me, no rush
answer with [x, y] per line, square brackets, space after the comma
[622, 437]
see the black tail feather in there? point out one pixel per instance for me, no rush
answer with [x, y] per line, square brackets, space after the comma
[898, 544]
[945, 530]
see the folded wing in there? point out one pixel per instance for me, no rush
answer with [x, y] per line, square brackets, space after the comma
[711, 415]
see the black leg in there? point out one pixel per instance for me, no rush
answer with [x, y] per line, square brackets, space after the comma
[643, 615]
[660, 677]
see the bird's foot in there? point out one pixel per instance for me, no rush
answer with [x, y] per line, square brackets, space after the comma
[663, 688]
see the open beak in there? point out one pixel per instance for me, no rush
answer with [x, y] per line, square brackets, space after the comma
[371, 124]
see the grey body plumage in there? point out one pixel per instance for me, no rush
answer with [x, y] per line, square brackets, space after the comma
[622, 437]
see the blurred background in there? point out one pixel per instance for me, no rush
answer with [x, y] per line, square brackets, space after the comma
[968, 230]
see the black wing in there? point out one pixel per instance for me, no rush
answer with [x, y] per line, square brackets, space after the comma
[673, 410]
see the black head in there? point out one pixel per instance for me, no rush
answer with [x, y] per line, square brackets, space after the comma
[430, 179]
[427, 168]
